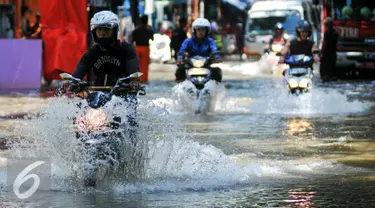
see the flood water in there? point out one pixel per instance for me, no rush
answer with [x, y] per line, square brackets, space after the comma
[258, 146]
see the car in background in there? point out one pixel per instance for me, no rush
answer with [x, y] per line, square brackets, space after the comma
[263, 16]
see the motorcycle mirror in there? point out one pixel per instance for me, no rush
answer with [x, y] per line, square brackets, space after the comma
[65, 76]
[136, 75]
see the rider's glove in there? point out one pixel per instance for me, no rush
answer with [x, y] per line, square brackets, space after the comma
[134, 85]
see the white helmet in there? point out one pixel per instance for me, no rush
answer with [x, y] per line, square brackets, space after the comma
[105, 19]
[201, 22]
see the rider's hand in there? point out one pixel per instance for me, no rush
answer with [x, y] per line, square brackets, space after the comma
[316, 58]
[281, 60]
[66, 86]
[180, 61]
[134, 84]
[218, 60]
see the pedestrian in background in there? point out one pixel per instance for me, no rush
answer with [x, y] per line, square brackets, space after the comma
[328, 53]
[178, 36]
[141, 37]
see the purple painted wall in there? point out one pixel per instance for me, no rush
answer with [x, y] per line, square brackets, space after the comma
[20, 64]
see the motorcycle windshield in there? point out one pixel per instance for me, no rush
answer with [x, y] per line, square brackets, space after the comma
[97, 99]
[198, 61]
[298, 59]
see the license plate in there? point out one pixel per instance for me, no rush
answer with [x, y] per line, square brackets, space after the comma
[368, 65]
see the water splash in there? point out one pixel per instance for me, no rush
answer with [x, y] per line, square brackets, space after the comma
[181, 103]
[246, 68]
[317, 101]
[185, 99]
[172, 155]
[182, 165]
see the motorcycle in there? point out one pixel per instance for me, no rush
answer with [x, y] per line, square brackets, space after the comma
[274, 48]
[198, 77]
[298, 76]
[271, 60]
[101, 142]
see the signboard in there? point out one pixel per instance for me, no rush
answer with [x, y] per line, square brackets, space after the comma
[21, 64]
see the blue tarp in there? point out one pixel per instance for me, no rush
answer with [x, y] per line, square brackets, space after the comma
[127, 8]
[127, 5]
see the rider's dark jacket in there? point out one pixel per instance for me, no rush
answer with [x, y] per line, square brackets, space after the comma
[301, 47]
[107, 64]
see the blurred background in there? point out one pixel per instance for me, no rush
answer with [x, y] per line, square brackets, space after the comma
[58, 31]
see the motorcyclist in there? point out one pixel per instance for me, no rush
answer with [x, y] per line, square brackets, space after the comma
[278, 37]
[300, 45]
[109, 59]
[199, 44]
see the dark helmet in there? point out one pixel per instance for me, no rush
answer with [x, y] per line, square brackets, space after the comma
[279, 26]
[303, 25]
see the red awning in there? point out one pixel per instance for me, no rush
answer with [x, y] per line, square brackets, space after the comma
[64, 31]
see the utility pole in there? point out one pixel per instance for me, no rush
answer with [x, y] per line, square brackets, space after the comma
[188, 9]
[218, 9]
[201, 9]
[196, 9]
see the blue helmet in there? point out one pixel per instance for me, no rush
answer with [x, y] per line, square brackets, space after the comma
[303, 25]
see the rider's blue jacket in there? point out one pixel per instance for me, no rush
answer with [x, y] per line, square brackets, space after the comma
[193, 48]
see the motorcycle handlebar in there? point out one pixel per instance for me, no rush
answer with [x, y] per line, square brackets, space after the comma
[82, 86]
[211, 60]
[127, 88]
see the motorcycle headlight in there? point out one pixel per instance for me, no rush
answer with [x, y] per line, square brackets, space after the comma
[94, 119]
[303, 83]
[198, 63]
[293, 83]
[276, 47]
